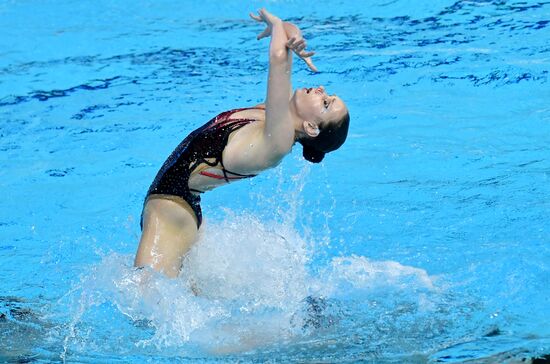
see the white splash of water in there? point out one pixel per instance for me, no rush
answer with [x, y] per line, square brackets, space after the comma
[363, 273]
[241, 257]
[245, 285]
[252, 284]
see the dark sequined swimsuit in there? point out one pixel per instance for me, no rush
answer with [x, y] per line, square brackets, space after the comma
[204, 145]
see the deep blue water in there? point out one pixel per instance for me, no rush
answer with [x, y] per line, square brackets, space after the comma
[424, 239]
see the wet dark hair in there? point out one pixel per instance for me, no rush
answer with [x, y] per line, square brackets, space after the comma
[331, 137]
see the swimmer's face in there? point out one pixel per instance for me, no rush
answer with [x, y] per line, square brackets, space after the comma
[315, 105]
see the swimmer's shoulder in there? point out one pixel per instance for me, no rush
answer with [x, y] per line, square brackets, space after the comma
[256, 113]
[247, 151]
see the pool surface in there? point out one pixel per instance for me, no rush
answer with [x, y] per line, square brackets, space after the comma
[424, 239]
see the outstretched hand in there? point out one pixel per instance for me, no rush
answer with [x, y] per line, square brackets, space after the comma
[298, 46]
[296, 42]
[266, 17]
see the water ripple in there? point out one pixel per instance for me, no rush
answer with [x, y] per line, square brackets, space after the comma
[46, 95]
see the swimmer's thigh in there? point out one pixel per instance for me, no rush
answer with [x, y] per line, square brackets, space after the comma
[169, 231]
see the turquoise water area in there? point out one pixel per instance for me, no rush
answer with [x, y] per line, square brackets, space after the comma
[424, 239]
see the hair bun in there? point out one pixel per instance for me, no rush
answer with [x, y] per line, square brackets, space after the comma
[313, 155]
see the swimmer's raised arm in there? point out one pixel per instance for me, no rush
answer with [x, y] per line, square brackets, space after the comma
[279, 130]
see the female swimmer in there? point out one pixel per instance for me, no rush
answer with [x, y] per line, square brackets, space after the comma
[238, 144]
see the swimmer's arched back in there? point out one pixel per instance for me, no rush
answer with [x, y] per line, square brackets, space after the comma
[237, 144]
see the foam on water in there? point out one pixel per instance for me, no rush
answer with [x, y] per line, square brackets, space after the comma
[247, 286]
[253, 286]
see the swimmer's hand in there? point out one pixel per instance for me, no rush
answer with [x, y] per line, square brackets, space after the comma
[298, 45]
[296, 42]
[269, 19]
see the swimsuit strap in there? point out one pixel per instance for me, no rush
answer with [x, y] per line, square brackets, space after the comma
[233, 124]
[225, 170]
[238, 175]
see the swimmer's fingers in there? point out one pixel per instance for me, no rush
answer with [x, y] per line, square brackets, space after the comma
[306, 54]
[299, 46]
[260, 18]
[265, 33]
[264, 17]
[290, 42]
[306, 57]
[296, 46]
[310, 64]
[256, 17]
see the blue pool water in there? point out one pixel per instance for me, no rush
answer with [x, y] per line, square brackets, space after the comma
[424, 239]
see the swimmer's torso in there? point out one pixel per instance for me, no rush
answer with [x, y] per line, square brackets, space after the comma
[197, 165]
